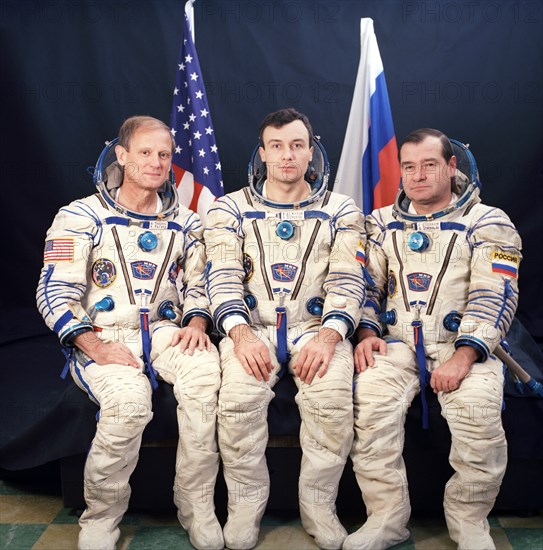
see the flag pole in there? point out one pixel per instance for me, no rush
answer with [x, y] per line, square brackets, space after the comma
[189, 10]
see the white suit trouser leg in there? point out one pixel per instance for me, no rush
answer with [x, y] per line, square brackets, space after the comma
[382, 396]
[195, 381]
[124, 395]
[326, 436]
[243, 436]
[478, 453]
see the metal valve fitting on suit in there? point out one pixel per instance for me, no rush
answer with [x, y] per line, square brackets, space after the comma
[166, 310]
[388, 317]
[105, 304]
[452, 320]
[315, 306]
[250, 301]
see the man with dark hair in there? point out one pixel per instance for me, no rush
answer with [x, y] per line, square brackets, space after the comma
[444, 269]
[285, 259]
[280, 118]
[108, 289]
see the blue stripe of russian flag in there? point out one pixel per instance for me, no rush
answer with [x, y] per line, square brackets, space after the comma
[380, 167]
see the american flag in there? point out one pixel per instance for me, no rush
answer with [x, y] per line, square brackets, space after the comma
[195, 161]
[59, 250]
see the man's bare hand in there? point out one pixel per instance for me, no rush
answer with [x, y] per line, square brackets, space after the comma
[315, 356]
[105, 353]
[192, 336]
[363, 353]
[449, 375]
[251, 351]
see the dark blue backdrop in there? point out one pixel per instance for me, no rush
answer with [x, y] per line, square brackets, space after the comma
[73, 70]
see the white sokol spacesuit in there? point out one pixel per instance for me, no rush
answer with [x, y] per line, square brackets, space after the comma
[287, 270]
[114, 272]
[440, 281]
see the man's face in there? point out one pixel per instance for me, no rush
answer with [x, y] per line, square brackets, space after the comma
[286, 152]
[426, 176]
[147, 160]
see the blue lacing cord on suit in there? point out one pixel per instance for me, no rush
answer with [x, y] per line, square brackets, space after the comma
[423, 373]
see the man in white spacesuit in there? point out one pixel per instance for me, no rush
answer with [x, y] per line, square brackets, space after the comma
[108, 289]
[285, 260]
[444, 269]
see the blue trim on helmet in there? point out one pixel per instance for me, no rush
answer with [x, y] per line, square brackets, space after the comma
[323, 186]
[473, 185]
[98, 178]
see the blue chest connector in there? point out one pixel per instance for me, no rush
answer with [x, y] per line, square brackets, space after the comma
[284, 230]
[418, 241]
[147, 241]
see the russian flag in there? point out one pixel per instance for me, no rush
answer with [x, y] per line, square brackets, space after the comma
[369, 170]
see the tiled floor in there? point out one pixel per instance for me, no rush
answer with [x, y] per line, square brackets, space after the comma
[34, 518]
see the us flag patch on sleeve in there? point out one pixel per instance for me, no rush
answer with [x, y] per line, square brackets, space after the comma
[505, 263]
[59, 250]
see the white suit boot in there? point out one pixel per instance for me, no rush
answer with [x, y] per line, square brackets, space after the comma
[478, 454]
[321, 522]
[475, 536]
[379, 532]
[197, 465]
[91, 538]
[195, 379]
[197, 516]
[111, 460]
[386, 497]
[246, 506]
[318, 492]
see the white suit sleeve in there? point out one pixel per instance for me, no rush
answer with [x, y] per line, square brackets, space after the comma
[345, 285]
[225, 273]
[493, 289]
[377, 269]
[63, 278]
[195, 302]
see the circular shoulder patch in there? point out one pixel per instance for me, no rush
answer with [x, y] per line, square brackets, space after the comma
[104, 272]
[392, 284]
[173, 272]
[248, 266]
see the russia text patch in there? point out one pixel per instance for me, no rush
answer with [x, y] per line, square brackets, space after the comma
[505, 263]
